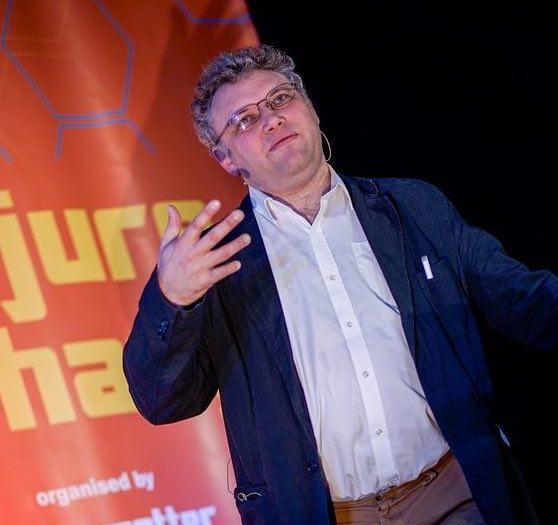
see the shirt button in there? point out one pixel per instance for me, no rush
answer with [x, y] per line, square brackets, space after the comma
[349, 324]
[365, 373]
[378, 431]
[332, 277]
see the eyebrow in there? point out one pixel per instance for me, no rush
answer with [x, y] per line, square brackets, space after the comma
[240, 109]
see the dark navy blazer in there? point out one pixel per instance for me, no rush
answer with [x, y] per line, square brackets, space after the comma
[236, 340]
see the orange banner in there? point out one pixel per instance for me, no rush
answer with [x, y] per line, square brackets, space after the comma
[95, 141]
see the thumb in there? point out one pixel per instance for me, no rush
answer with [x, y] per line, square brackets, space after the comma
[173, 225]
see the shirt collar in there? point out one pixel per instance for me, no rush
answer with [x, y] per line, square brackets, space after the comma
[264, 204]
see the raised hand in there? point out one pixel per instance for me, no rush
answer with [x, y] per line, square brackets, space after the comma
[188, 265]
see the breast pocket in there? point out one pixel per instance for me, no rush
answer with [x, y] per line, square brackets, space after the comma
[445, 294]
[372, 275]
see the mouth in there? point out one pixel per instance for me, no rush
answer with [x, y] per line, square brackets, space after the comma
[283, 141]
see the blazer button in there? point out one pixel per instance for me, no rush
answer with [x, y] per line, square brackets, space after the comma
[311, 467]
[162, 330]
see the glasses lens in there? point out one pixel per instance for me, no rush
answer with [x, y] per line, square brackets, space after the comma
[280, 96]
[246, 117]
[249, 115]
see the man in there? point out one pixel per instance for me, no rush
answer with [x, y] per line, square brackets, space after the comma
[334, 316]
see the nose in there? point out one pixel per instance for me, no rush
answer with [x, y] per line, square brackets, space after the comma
[271, 118]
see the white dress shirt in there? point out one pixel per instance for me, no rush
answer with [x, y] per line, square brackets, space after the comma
[372, 423]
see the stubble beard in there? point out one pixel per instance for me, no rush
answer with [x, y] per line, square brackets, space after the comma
[296, 163]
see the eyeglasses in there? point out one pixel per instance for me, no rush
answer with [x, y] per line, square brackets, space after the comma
[247, 116]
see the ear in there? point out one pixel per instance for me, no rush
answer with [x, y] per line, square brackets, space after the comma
[223, 157]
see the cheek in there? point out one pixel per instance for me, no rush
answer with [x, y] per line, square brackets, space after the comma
[249, 148]
[308, 119]
[307, 112]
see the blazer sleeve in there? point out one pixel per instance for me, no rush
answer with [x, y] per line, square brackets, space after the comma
[516, 301]
[166, 360]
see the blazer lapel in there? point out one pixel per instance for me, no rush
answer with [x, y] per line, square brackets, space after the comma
[381, 224]
[255, 283]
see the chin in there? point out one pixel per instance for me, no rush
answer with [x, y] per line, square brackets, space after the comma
[295, 163]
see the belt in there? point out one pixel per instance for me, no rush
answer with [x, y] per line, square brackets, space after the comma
[423, 478]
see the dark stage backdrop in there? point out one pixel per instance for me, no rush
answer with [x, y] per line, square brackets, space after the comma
[463, 96]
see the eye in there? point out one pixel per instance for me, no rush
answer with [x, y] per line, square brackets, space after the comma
[281, 98]
[246, 120]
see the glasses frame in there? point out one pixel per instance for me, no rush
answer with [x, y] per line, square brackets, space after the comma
[230, 120]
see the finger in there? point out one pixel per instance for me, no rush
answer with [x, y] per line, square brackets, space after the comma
[173, 225]
[225, 252]
[216, 234]
[220, 272]
[199, 222]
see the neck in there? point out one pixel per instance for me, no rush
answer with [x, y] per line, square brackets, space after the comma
[306, 200]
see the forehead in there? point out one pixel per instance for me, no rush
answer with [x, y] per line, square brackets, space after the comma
[247, 90]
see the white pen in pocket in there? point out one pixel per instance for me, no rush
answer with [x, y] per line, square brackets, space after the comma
[426, 266]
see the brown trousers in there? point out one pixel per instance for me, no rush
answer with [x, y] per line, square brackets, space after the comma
[439, 496]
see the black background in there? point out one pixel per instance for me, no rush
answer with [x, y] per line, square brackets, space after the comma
[465, 96]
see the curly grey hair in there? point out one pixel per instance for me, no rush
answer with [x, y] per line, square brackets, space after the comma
[230, 67]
